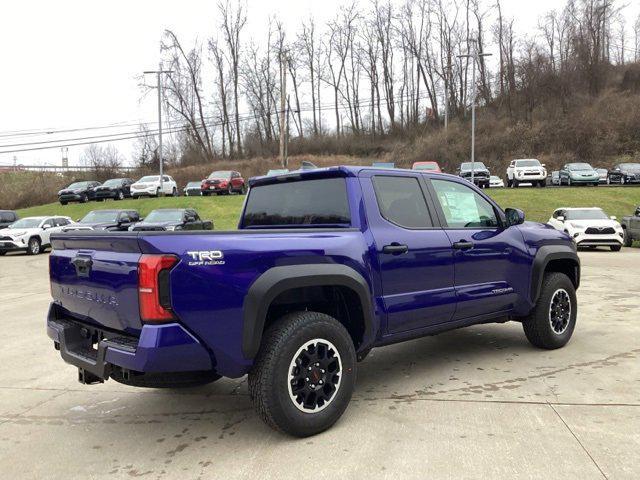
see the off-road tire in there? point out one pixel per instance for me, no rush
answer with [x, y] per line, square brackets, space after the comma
[34, 246]
[268, 380]
[167, 380]
[537, 325]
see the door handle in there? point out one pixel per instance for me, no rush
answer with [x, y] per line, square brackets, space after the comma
[395, 249]
[462, 245]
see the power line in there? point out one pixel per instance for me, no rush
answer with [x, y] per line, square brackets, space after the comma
[116, 137]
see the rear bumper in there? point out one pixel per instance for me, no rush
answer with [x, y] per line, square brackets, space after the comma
[160, 348]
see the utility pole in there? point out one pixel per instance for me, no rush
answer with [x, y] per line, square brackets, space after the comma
[476, 58]
[283, 108]
[159, 73]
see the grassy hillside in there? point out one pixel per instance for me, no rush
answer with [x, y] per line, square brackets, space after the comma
[538, 204]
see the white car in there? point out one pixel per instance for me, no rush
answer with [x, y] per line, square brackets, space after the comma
[150, 186]
[31, 234]
[526, 170]
[589, 227]
[495, 182]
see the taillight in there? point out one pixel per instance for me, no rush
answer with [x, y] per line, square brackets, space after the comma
[153, 287]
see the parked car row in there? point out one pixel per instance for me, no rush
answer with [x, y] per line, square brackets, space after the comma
[31, 234]
[150, 186]
[531, 171]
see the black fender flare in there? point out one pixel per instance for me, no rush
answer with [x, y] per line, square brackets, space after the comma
[280, 279]
[546, 254]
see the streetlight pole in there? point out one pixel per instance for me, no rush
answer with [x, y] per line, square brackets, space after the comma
[159, 73]
[476, 58]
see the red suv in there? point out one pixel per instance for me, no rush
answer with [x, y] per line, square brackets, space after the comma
[224, 181]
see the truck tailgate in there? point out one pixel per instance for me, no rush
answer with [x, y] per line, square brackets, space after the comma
[95, 279]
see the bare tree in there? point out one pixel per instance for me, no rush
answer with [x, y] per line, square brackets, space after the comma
[233, 21]
[182, 91]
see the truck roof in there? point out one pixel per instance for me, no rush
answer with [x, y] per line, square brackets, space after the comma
[329, 172]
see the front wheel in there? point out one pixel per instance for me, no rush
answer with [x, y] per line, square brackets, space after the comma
[568, 182]
[304, 374]
[628, 241]
[553, 319]
[84, 198]
[243, 190]
[120, 195]
[616, 248]
[622, 180]
[174, 192]
[34, 247]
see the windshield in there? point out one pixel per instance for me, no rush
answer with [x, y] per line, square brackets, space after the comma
[579, 166]
[100, 216]
[220, 174]
[494, 178]
[586, 214]
[76, 185]
[150, 178]
[114, 182]
[281, 171]
[164, 216]
[630, 166]
[26, 223]
[527, 163]
[307, 202]
[193, 185]
[426, 166]
[476, 166]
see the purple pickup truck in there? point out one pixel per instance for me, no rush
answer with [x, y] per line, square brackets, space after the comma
[325, 265]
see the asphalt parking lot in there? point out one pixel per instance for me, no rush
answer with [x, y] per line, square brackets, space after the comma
[473, 403]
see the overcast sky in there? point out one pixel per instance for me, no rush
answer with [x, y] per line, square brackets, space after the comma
[69, 64]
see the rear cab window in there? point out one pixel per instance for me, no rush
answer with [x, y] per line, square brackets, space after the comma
[298, 203]
[401, 201]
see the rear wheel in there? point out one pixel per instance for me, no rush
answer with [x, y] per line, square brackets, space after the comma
[229, 190]
[63, 203]
[34, 247]
[553, 319]
[84, 198]
[304, 374]
[568, 181]
[120, 195]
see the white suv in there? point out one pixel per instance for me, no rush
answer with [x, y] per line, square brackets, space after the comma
[589, 227]
[150, 186]
[31, 234]
[526, 170]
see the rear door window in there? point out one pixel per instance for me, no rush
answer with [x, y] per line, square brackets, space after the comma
[401, 201]
[298, 203]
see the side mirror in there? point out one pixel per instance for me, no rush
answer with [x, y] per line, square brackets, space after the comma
[613, 217]
[46, 226]
[191, 219]
[544, 165]
[514, 216]
[124, 220]
[560, 218]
